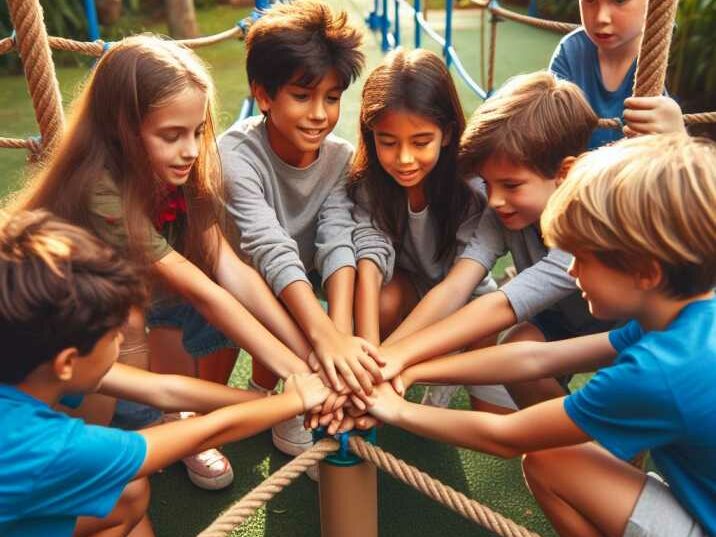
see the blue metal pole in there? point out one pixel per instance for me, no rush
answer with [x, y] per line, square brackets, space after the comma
[418, 31]
[92, 21]
[373, 18]
[448, 32]
[532, 10]
[385, 28]
[396, 32]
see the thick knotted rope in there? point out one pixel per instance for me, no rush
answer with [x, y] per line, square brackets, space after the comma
[431, 487]
[272, 485]
[32, 43]
[654, 51]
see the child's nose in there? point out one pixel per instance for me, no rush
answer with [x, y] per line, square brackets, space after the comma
[604, 13]
[405, 156]
[190, 150]
[318, 111]
[495, 200]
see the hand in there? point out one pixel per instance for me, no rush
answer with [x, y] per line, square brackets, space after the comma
[309, 387]
[385, 403]
[652, 115]
[354, 359]
[393, 364]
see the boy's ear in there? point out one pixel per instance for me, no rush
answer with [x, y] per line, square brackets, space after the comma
[63, 363]
[564, 168]
[649, 277]
[262, 97]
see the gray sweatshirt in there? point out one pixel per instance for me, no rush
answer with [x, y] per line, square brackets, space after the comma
[418, 248]
[290, 220]
[542, 281]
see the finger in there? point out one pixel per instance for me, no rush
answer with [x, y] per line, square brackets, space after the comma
[348, 376]
[364, 378]
[639, 116]
[372, 367]
[333, 427]
[339, 414]
[355, 412]
[642, 103]
[347, 424]
[315, 421]
[330, 369]
[325, 419]
[358, 402]
[373, 352]
[313, 362]
[398, 386]
[340, 401]
[328, 403]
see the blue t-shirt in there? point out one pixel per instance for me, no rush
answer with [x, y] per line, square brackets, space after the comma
[575, 59]
[660, 395]
[54, 468]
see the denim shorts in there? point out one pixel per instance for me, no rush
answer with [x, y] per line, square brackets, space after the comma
[199, 338]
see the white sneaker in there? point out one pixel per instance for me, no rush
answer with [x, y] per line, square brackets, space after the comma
[290, 437]
[439, 396]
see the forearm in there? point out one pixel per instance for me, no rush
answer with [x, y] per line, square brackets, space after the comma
[483, 316]
[339, 292]
[367, 301]
[442, 300]
[222, 310]
[169, 442]
[305, 308]
[543, 426]
[247, 285]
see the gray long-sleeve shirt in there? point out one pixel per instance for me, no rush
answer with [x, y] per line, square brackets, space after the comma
[290, 220]
[542, 281]
[418, 247]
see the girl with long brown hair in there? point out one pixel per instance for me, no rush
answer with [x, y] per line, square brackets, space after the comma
[414, 213]
[138, 166]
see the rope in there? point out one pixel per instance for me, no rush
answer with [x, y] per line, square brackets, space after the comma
[6, 45]
[434, 489]
[17, 143]
[654, 51]
[39, 68]
[272, 485]
[554, 26]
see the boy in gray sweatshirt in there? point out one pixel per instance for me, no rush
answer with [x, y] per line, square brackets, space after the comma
[285, 177]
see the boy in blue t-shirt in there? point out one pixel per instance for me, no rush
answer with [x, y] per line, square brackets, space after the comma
[64, 297]
[638, 217]
[600, 57]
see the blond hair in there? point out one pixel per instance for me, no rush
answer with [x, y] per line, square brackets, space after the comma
[651, 198]
[536, 120]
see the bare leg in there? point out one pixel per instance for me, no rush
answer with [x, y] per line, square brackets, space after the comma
[583, 490]
[167, 354]
[397, 299]
[129, 516]
[529, 393]
[99, 409]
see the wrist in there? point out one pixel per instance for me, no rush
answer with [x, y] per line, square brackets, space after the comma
[294, 402]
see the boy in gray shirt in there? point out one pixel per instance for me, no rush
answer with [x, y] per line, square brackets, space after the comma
[285, 176]
[520, 142]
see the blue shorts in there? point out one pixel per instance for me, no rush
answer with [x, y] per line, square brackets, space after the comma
[199, 338]
[554, 327]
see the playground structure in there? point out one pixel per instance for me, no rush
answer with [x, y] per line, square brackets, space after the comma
[34, 46]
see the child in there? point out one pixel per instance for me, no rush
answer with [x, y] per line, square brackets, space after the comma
[639, 218]
[409, 198]
[138, 167]
[286, 178]
[517, 142]
[600, 57]
[65, 297]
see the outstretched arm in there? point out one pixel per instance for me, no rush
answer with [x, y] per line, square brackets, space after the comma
[542, 426]
[367, 301]
[169, 442]
[222, 310]
[170, 392]
[483, 316]
[442, 300]
[516, 362]
[249, 288]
